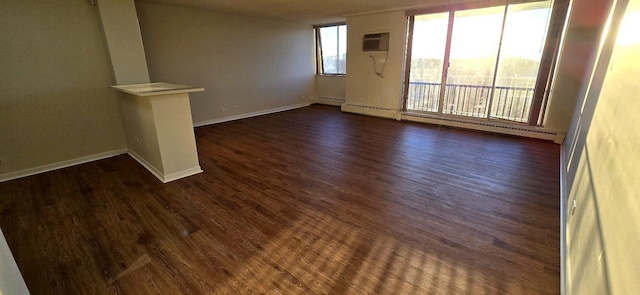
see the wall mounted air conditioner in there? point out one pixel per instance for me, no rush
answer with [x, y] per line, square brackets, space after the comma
[375, 42]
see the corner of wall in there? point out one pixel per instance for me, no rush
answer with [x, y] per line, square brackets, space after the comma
[563, 220]
[560, 138]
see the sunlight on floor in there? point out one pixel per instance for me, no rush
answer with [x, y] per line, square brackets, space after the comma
[382, 265]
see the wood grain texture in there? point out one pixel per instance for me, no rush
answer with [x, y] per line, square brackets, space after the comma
[310, 201]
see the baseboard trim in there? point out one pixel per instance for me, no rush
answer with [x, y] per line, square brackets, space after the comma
[159, 174]
[249, 115]
[369, 110]
[563, 221]
[60, 165]
[332, 101]
[182, 174]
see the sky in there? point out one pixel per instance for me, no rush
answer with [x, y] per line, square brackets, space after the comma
[330, 36]
[476, 33]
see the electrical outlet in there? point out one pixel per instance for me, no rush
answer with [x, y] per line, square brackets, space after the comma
[137, 139]
[236, 108]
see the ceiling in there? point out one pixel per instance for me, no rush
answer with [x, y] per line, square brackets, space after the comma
[300, 11]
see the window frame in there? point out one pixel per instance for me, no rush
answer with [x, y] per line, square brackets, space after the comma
[318, 47]
[559, 11]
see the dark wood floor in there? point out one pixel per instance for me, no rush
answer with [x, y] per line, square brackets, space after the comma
[310, 201]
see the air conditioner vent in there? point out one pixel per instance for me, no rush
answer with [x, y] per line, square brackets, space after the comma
[375, 42]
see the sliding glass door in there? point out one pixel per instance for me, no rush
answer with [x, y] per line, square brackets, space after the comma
[480, 63]
[427, 61]
[474, 50]
[520, 55]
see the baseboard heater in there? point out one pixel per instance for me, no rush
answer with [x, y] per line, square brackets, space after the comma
[488, 126]
[487, 123]
[330, 98]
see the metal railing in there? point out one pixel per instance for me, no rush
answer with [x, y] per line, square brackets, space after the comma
[509, 103]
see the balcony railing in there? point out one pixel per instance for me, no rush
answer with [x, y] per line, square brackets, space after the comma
[509, 103]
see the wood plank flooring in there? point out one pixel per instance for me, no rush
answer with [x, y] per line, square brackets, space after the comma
[309, 201]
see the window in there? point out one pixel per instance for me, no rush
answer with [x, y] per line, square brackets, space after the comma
[484, 62]
[331, 48]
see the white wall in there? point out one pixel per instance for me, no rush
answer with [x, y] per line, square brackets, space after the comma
[160, 134]
[56, 105]
[124, 41]
[580, 43]
[255, 64]
[363, 86]
[331, 86]
[603, 168]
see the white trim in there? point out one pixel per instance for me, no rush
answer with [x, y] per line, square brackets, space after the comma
[60, 165]
[369, 110]
[249, 115]
[563, 221]
[160, 175]
[332, 101]
[146, 165]
[182, 174]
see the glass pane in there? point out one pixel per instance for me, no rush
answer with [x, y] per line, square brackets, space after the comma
[522, 45]
[427, 57]
[474, 51]
[334, 49]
